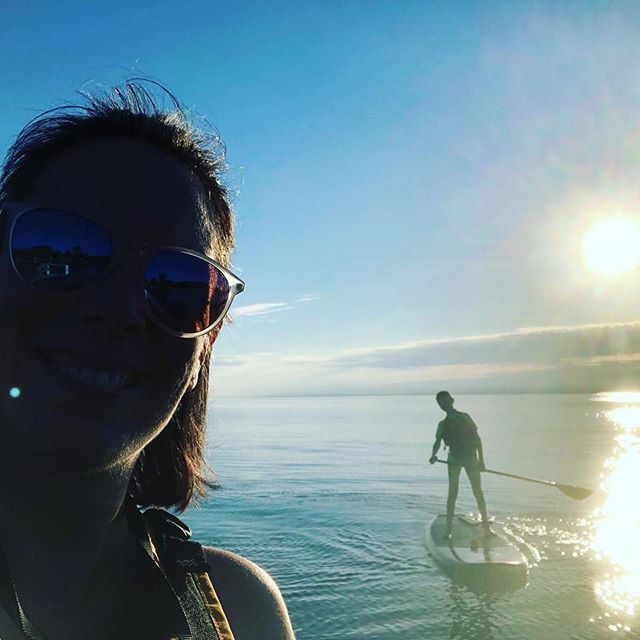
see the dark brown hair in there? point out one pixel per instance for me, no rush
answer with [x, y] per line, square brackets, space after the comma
[171, 470]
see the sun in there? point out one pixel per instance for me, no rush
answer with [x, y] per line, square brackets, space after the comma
[611, 246]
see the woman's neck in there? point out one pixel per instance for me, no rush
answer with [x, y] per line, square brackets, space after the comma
[68, 545]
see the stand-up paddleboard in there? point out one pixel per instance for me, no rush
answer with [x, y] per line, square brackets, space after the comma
[487, 562]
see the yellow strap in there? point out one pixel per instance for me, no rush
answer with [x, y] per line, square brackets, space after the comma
[214, 608]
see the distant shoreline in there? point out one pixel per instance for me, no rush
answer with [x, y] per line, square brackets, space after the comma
[422, 394]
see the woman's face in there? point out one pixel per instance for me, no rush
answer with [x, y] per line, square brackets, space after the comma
[137, 193]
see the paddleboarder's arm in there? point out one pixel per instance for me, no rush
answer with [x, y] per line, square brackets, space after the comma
[478, 442]
[436, 444]
[480, 454]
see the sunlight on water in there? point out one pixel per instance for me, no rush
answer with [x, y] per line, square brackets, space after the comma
[628, 397]
[618, 520]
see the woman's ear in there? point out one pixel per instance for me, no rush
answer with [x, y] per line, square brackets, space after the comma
[212, 336]
[205, 354]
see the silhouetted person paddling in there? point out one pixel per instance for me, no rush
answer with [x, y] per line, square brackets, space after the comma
[459, 432]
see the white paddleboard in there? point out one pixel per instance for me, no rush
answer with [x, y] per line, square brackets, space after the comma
[497, 560]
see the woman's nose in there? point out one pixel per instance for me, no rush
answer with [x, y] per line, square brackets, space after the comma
[118, 298]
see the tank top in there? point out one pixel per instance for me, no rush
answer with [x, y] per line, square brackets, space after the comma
[459, 433]
[182, 562]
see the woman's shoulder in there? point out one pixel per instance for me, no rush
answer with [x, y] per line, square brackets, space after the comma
[249, 596]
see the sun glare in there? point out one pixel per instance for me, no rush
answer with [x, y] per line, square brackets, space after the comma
[616, 539]
[612, 246]
[627, 397]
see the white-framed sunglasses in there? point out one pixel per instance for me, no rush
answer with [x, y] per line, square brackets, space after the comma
[184, 292]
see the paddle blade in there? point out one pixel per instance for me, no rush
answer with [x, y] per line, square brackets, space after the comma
[577, 493]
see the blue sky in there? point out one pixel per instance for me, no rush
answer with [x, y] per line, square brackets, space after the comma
[408, 175]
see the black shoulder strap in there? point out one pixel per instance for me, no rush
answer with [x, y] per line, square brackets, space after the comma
[8, 627]
[183, 563]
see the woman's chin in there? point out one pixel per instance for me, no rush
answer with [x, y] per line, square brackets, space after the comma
[86, 446]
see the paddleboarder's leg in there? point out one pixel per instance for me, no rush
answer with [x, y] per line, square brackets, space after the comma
[454, 482]
[473, 473]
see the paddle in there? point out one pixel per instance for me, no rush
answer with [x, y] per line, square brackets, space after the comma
[577, 493]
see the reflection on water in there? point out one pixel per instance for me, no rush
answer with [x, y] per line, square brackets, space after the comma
[629, 397]
[566, 538]
[471, 618]
[617, 522]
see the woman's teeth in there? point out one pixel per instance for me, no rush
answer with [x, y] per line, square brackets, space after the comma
[80, 371]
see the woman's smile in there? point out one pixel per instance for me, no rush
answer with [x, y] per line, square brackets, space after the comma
[79, 370]
[86, 376]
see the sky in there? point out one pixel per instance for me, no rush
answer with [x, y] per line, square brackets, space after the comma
[412, 180]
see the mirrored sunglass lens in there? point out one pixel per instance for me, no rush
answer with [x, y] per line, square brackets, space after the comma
[184, 292]
[59, 251]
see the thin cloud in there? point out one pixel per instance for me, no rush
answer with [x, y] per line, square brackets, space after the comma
[581, 358]
[270, 308]
[539, 345]
[251, 360]
[260, 309]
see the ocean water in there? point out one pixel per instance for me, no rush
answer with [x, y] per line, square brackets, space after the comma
[331, 496]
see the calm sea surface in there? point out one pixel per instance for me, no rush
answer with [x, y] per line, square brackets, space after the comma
[331, 496]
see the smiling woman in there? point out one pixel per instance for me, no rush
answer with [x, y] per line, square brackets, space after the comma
[114, 282]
